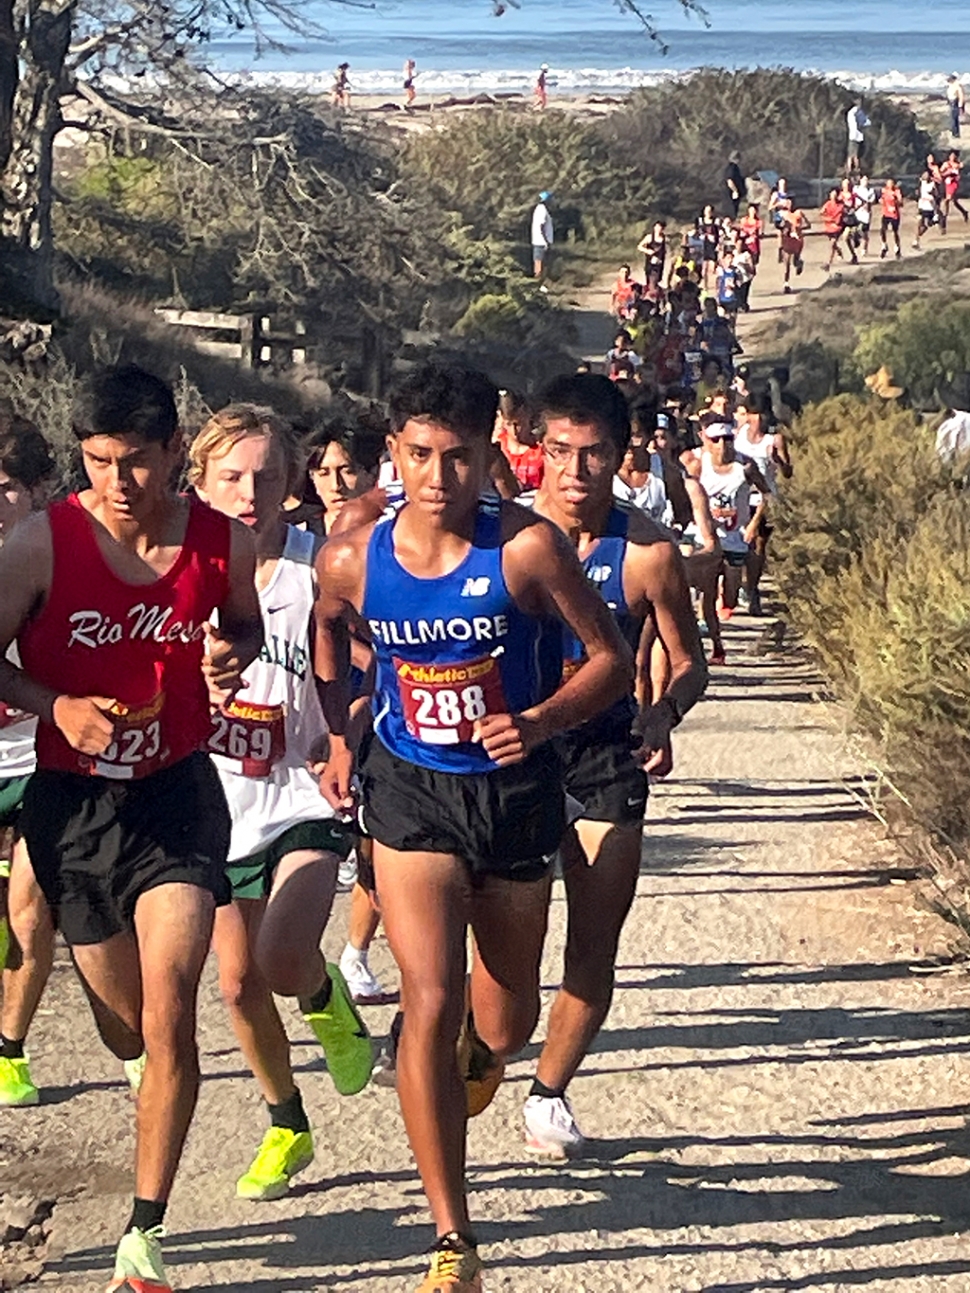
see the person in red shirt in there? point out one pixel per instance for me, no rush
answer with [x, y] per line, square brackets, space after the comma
[110, 596]
[794, 226]
[624, 293]
[950, 172]
[752, 228]
[833, 222]
[891, 205]
[515, 437]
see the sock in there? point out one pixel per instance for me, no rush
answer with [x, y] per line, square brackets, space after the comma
[290, 1114]
[321, 998]
[11, 1050]
[351, 953]
[146, 1214]
[546, 1092]
[467, 1239]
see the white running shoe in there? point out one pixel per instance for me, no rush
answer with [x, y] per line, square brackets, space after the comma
[363, 985]
[347, 874]
[550, 1128]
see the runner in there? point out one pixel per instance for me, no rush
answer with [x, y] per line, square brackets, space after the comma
[516, 437]
[729, 484]
[891, 204]
[108, 595]
[461, 793]
[794, 225]
[752, 230]
[286, 845]
[850, 217]
[26, 468]
[865, 199]
[779, 202]
[639, 480]
[951, 171]
[410, 72]
[624, 293]
[833, 222]
[769, 451]
[926, 207]
[653, 249]
[638, 572]
[710, 232]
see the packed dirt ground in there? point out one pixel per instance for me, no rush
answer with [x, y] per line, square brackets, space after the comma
[777, 1101]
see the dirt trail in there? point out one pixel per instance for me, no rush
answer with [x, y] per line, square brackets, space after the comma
[778, 1097]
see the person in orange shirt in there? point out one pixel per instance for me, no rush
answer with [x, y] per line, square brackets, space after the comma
[891, 204]
[950, 171]
[751, 229]
[793, 229]
[515, 436]
[624, 293]
[833, 222]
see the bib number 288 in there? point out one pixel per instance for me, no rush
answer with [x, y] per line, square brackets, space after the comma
[442, 703]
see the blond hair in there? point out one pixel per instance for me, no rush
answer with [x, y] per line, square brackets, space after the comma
[234, 423]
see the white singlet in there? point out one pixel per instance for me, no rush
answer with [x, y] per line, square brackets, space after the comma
[760, 453]
[730, 495]
[281, 683]
[17, 731]
[651, 497]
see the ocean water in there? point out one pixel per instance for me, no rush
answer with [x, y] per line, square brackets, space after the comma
[460, 46]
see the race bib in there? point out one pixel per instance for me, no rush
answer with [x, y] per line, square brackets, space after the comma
[724, 514]
[253, 735]
[10, 717]
[136, 750]
[442, 702]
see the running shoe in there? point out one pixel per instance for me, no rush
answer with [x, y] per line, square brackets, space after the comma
[717, 657]
[347, 874]
[344, 1037]
[135, 1071]
[481, 1070]
[138, 1263]
[364, 985]
[455, 1268]
[17, 1091]
[384, 1072]
[282, 1154]
[550, 1128]
[724, 613]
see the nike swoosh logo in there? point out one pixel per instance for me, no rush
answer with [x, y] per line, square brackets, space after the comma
[273, 610]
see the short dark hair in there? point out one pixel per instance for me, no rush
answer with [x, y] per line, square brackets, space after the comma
[24, 453]
[127, 400]
[363, 445]
[449, 392]
[587, 397]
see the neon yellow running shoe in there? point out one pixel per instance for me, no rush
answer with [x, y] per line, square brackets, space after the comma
[344, 1037]
[16, 1088]
[138, 1263]
[135, 1071]
[455, 1268]
[282, 1154]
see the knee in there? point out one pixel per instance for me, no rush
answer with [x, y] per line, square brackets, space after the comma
[589, 974]
[432, 1009]
[31, 926]
[508, 1035]
[239, 985]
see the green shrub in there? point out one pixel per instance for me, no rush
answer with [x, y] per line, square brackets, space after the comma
[926, 344]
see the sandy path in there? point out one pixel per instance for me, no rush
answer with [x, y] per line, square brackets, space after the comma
[777, 1097]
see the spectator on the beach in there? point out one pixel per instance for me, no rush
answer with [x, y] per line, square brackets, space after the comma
[409, 74]
[542, 233]
[340, 91]
[956, 99]
[857, 123]
[734, 183]
[540, 94]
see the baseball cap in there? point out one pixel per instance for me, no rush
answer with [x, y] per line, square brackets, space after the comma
[719, 431]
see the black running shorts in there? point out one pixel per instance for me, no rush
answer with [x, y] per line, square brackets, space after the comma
[600, 772]
[506, 823]
[96, 845]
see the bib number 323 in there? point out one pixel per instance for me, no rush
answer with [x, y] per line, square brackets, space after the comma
[443, 702]
[254, 735]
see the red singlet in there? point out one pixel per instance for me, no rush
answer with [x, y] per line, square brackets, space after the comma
[141, 644]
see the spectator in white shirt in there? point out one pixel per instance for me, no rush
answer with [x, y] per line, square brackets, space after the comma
[856, 121]
[542, 232]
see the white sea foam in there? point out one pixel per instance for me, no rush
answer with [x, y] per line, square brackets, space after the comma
[578, 80]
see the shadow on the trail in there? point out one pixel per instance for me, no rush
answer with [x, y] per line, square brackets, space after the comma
[669, 975]
[636, 1184]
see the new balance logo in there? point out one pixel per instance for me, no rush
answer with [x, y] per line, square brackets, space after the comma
[476, 587]
[599, 574]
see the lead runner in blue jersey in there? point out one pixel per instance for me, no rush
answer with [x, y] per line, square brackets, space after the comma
[637, 570]
[461, 789]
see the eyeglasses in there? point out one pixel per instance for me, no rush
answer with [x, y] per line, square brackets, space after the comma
[593, 457]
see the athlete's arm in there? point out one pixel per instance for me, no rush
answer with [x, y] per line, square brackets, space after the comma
[26, 569]
[654, 580]
[503, 477]
[782, 456]
[339, 569]
[234, 644]
[701, 508]
[545, 578]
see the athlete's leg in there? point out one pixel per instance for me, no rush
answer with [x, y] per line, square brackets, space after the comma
[173, 923]
[110, 974]
[288, 942]
[365, 918]
[508, 919]
[31, 954]
[255, 1019]
[732, 584]
[425, 900]
[600, 887]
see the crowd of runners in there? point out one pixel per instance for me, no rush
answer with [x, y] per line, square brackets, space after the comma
[216, 697]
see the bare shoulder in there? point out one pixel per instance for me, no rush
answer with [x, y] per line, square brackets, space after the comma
[527, 536]
[342, 560]
[644, 532]
[30, 549]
